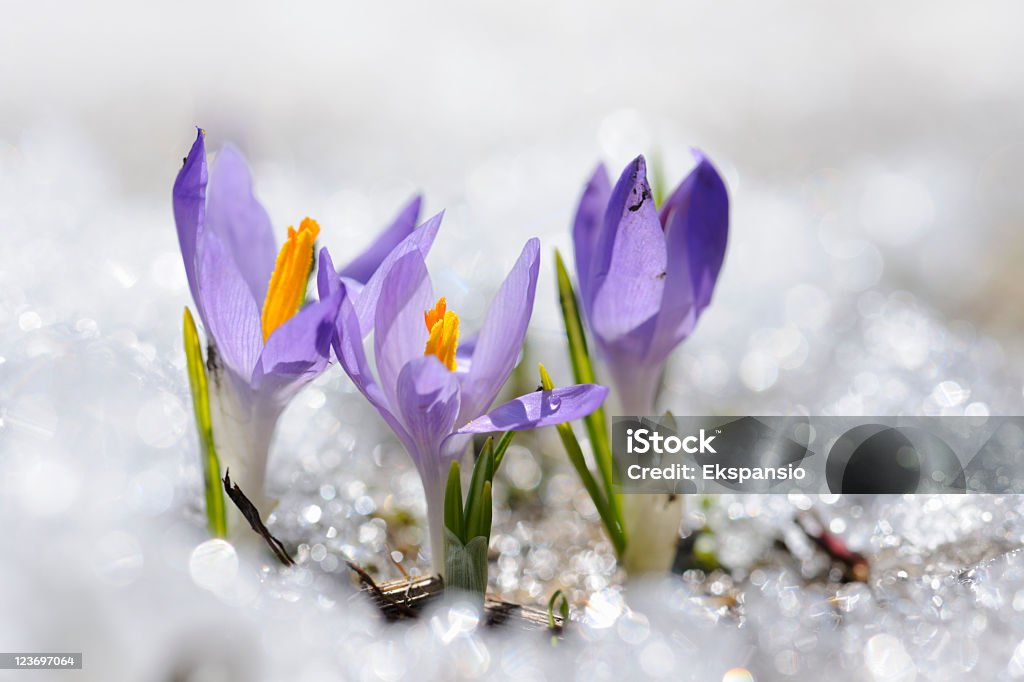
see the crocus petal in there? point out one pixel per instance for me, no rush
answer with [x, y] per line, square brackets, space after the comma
[240, 221]
[353, 289]
[428, 402]
[327, 281]
[629, 267]
[421, 239]
[298, 351]
[455, 447]
[464, 353]
[362, 267]
[540, 408]
[696, 221]
[707, 218]
[230, 313]
[400, 334]
[501, 337]
[587, 225]
[348, 346]
[189, 199]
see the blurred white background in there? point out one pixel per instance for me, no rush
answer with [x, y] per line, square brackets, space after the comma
[896, 127]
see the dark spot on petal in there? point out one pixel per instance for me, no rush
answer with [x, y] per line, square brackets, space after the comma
[661, 275]
[643, 197]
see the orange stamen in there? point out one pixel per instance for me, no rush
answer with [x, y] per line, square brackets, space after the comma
[287, 288]
[444, 333]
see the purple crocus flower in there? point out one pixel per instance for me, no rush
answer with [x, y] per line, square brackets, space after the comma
[646, 275]
[264, 343]
[433, 394]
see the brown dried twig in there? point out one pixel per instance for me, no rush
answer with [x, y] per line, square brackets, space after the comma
[252, 515]
[365, 579]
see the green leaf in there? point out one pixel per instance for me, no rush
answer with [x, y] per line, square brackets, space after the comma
[215, 513]
[578, 352]
[488, 462]
[453, 519]
[609, 515]
[563, 609]
[656, 175]
[469, 570]
[486, 511]
[479, 477]
[478, 518]
[466, 565]
[501, 447]
[583, 372]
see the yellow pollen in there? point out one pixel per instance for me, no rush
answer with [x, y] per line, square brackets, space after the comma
[444, 333]
[287, 288]
[436, 313]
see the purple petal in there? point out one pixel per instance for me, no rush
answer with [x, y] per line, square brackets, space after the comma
[230, 313]
[353, 289]
[421, 239]
[589, 218]
[464, 352]
[365, 264]
[298, 351]
[708, 223]
[428, 402]
[189, 200]
[540, 408]
[697, 229]
[501, 337]
[399, 333]
[240, 221]
[629, 266]
[327, 281]
[348, 340]
[348, 346]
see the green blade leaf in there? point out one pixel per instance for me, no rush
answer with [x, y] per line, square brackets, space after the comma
[487, 509]
[480, 475]
[216, 516]
[478, 520]
[453, 519]
[656, 174]
[466, 565]
[609, 516]
[563, 609]
[578, 351]
[488, 463]
[501, 447]
[583, 372]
